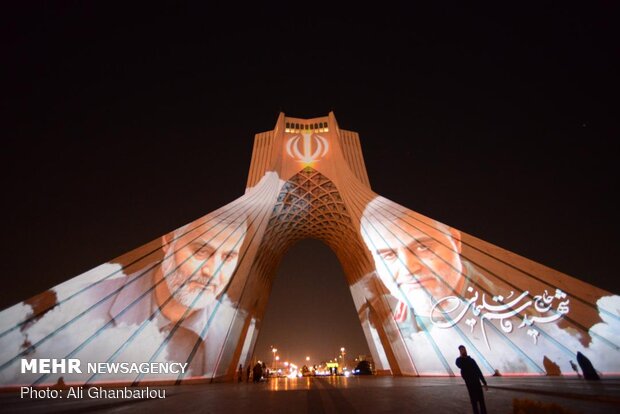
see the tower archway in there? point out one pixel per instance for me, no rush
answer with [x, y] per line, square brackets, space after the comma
[310, 314]
[194, 298]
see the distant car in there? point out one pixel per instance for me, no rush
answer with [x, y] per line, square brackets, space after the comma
[363, 368]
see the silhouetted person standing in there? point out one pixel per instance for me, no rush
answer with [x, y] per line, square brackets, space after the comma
[473, 376]
[257, 372]
[588, 370]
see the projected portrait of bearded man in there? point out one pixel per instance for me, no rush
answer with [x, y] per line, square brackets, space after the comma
[514, 320]
[419, 262]
[168, 305]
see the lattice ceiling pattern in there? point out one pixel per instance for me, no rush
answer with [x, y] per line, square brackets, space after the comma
[308, 206]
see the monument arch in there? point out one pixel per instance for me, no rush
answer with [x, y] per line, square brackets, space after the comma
[197, 295]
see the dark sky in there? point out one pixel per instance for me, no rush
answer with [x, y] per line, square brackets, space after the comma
[311, 312]
[123, 124]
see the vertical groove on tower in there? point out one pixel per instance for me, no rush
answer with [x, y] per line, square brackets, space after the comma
[352, 152]
[261, 157]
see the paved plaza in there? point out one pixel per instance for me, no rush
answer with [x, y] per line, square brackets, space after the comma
[342, 395]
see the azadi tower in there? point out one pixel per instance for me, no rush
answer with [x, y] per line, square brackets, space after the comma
[197, 295]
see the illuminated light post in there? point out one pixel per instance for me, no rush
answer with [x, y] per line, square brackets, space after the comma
[342, 353]
[276, 367]
[274, 350]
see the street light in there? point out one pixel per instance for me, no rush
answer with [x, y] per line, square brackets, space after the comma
[342, 353]
[274, 350]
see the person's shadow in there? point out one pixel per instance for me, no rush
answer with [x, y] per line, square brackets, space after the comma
[552, 369]
[587, 368]
[60, 384]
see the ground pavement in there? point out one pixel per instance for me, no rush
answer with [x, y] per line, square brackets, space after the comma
[340, 395]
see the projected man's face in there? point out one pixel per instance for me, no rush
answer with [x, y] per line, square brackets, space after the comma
[201, 262]
[419, 261]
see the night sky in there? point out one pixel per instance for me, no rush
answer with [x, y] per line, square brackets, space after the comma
[123, 124]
